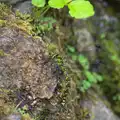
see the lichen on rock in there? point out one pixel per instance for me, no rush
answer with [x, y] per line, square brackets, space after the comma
[26, 64]
[24, 60]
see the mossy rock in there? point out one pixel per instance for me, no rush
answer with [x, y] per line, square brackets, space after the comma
[25, 61]
[34, 75]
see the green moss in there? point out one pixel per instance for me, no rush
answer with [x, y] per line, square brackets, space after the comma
[23, 22]
[68, 87]
[68, 97]
[5, 106]
[2, 23]
[5, 11]
[2, 53]
[15, 20]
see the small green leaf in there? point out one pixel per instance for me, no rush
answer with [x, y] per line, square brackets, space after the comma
[83, 61]
[90, 77]
[86, 84]
[38, 3]
[71, 49]
[80, 9]
[57, 3]
[98, 77]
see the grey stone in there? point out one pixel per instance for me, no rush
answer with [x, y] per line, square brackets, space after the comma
[85, 43]
[102, 112]
[11, 1]
[24, 7]
[98, 109]
[26, 64]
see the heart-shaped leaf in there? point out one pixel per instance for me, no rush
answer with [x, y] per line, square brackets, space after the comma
[80, 9]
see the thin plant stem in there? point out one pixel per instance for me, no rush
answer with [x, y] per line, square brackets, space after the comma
[46, 9]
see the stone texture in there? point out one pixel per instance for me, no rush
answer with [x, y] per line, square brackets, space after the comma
[11, 1]
[24, 63]
[24, 7]
[98, 109]
[102, 112]
[85, 43]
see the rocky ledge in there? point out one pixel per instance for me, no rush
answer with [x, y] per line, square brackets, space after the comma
[25, 63]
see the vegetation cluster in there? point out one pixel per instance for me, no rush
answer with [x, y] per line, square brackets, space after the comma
[78, 76]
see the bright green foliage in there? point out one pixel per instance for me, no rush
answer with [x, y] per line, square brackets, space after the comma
[80, 9]
[85, 85]
[92, 78]
[84, 62]
[77, 8]
[56, 3]
[71, 49]
[38, 3]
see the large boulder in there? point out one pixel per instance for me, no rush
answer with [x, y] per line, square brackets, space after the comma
[25, 63]
[99, 109]
[102, 112]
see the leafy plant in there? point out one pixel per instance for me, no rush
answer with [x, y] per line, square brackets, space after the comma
[90, 77]
[116, 97]
[77, 8]
[83, 61]
[110, 56]
[44, 24]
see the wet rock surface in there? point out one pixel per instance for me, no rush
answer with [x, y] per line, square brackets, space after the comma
[99, 109]
[25, 64]
[104, 112]
[85, 43]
